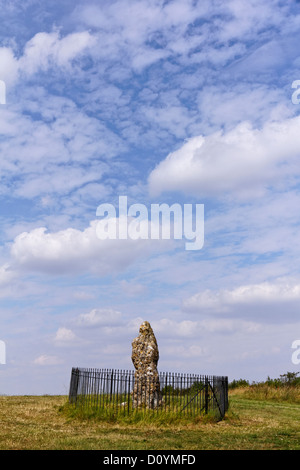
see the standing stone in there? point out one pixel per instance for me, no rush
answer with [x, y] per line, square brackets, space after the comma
[145, 355]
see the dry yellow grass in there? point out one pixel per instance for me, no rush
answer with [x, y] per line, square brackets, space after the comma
[284, 394]
[36, 422]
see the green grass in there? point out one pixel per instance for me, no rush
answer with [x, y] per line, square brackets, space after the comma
[41, 422]
[141, 417]
[119, 409]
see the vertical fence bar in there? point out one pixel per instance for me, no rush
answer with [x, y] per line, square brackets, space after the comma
[111, 391]
[74, 385]
[82, 388]
[206, 395]
[226, 393]
[111, 384]
[106, 390]
[128, 396]
[89, 379]
[177, 388]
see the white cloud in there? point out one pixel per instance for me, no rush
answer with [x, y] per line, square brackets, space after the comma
[47, 360]
[187, 352]
[224, 105]
[264, 292]
[6, 275]
[64, 336]
[46, 50]
[81, 100]
[8, 66]
[100, 317]
[135, 323]
[248, 19]
[133, 24]
[72, 251]
[131, 30]
[175, 329]
[185, 328]
[42, 52]
[266, 301]
[241, 161]
[56, 154]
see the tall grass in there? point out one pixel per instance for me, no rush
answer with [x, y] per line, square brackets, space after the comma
[263, 391]
[34, 423]
[286, 388]
[200, 401]
[139, 416]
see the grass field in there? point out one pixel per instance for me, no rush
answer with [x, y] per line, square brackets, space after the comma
[38, 422]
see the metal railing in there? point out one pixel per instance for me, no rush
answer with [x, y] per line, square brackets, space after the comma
[112, 392]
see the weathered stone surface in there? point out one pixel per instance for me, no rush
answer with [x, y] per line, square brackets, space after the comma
[145, 357]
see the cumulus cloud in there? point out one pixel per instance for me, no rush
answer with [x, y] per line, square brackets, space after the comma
[74, 251]
[197, 328]
[47, 360]
[46, 50]
[8, 66]
[42, 52]
[91, 108]
[6, 274]
[187, 352]
[267, 301]
[64, 336]
[99, 317]
[242, 160]
[227, 104]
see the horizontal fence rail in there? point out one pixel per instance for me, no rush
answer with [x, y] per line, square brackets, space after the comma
[114, 391]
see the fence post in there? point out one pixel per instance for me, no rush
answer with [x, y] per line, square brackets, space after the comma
[74, 385]
[226, 393]
[128, 396]
[206, 394]
[111, 385]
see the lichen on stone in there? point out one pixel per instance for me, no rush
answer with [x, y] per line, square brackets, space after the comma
[145, 356]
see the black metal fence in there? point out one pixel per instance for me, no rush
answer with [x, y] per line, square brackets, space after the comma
[111, 392]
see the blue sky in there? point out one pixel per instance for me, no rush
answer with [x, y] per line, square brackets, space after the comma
[162, 102]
